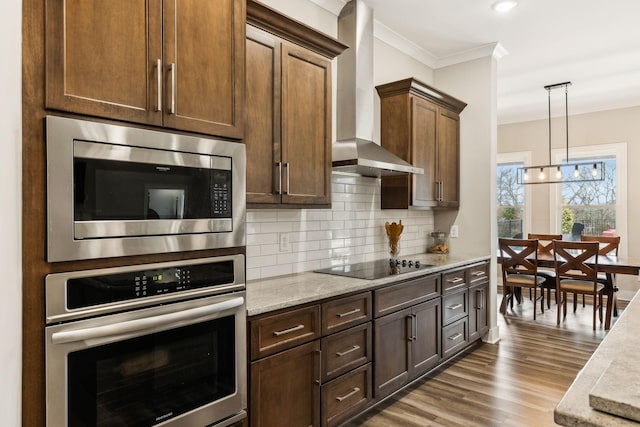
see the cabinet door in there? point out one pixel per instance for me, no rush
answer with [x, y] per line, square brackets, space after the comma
[425, 348]
[262, 131]
[285, 388]
[102, 57]
[204, 66]
[478, 312]
[424, 119]
[391, 335]
[449, 158]
[306, 126]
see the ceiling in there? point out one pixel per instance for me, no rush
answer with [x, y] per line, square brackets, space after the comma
[593, 44]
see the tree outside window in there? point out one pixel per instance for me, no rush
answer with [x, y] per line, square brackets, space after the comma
[510, 199]
[591, 203]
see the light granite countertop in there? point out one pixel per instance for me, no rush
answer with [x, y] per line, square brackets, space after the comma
[280, 292]
[620, 347]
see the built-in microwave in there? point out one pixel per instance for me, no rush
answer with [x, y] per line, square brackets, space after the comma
[117, 191]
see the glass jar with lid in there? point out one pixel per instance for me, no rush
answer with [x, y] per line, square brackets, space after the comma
[438, 243]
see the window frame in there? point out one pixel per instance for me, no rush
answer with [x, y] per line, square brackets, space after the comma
[523, 157]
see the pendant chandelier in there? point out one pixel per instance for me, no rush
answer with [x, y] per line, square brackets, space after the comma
[563, 172]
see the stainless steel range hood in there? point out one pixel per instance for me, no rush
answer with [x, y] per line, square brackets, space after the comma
[354, 151]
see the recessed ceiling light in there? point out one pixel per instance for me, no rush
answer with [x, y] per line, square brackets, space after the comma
[504, 6]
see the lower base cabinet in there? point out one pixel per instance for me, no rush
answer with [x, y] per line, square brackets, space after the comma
[346, 396]
[407, 344]
[322, 364]
[285, 388]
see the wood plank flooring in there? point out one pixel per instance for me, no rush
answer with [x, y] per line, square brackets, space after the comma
[517, 382]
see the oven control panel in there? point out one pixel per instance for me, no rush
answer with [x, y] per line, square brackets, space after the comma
[95, 290]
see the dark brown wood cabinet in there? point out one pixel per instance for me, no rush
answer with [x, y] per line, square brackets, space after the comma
[407, 340]
[298, 379]
[285, 388]
[422, 126]
[172, 63]
[289, 121]
[478, 301]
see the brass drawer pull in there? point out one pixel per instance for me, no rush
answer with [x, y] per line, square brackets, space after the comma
[454, 307]
[455, 337]
[456, 280]
[349, 313]
[288, 331]
[348, 395]
[352, 349]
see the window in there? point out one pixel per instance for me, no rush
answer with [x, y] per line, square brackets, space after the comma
[593, 208]
[512, 213]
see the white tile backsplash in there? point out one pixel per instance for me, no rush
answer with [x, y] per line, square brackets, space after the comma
[351, 231]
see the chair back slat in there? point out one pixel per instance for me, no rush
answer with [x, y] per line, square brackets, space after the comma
[608, 245]
[571, 257]
[516, 256]
[545, 241]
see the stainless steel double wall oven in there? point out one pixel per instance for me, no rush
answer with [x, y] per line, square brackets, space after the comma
[160, 344]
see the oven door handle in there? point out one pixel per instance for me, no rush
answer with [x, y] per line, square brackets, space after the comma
[144, 324]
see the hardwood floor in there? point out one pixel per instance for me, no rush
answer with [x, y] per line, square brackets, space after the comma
[516, 382]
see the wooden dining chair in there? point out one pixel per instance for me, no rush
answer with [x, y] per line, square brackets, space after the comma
[520, 270]
[574, 275]
[545, 246]
[607, 245]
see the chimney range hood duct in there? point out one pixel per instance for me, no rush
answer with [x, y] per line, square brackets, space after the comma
[354, 151]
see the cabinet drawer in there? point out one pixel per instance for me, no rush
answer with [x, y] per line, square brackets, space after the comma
[278, 332]
[405, 294]
[454, 337]
[453, 281]
[345, 312]
[455, 306]
[478, 274]
[346, 395]
[345, 350]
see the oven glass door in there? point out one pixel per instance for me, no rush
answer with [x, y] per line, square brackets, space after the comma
[146, 380]
[177, 364]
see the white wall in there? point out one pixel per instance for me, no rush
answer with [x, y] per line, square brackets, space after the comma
[10, 224]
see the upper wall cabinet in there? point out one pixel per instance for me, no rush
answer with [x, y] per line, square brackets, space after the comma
[422, 126]
[173, 63]
[289, 127]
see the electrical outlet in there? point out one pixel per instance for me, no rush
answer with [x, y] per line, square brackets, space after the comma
[454, 231]
[285, 242]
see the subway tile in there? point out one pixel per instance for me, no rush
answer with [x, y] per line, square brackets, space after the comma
[276, 270]
[261, 215]
[261, 261]
[275, 227]
[262, 239]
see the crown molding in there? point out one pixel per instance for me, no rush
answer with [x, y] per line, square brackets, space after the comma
[333, 6]
[404, 45]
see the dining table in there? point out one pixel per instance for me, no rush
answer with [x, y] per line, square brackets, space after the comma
[610, 265]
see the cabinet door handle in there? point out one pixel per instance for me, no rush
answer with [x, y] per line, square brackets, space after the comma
[159, 84]
[455, 336]
[349, 313]
[441, 190]
[172, 105]
[288, 331]
[479, 299]
[280, 178]
[286, 165]
[351, 350]
[454, 306]
[348, 395]
[456, 280]
[319, 379]
[410, 336]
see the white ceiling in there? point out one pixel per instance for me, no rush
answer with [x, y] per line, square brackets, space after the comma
[593, 44]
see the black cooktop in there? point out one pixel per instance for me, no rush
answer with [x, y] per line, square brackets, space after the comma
[375, 269]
